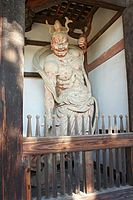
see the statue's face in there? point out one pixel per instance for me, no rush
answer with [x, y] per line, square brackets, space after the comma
[59, 44]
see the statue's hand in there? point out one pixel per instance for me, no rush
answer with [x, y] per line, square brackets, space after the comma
[91, 101]
[82, 42]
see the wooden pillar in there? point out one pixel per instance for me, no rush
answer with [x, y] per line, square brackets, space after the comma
[128, 38]
[11, 94]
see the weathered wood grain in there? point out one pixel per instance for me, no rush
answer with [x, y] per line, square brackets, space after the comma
[38, 6]
[11, 98]
[128, 38]
[62, 173]
[75, 143]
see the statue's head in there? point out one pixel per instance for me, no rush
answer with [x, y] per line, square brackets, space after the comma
[59, 37]
[59, 44]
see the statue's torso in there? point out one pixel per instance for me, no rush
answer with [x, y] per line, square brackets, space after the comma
[70, 84]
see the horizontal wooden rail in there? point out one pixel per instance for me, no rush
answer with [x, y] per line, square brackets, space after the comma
[34, 145]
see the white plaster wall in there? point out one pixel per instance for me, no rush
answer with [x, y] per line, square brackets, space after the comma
[109, 86]
[107, 40]
[109, 83]
[101, 17]
[33, 102]
[40, 32]
[29, 52]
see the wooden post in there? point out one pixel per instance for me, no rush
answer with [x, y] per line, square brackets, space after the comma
[128, 38]
[11, 94]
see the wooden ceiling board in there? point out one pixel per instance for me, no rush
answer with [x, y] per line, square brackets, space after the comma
[79, 11]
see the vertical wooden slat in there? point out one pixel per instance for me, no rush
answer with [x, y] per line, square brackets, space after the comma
[69, 174]
[123, 164]
[38, 162]
[97, 156]
[104, 156]
[104, 168]
[117, 161]
[97, 128]
[127, 123]
[115, 124]
[54, 176]
[98, 170]
[45, 126]
[109, 125]
[89, 168]
[29, 127]
[83, 159]
[121, 124]
[54, 162]
[103, 125]
[83, 173]
[76, 156]
[62, 173]
[89, 172]
[111, 168]
[46, 176]
[69, 158]
[38, 177]
[123, 159]
[37, 133]
[77, 172]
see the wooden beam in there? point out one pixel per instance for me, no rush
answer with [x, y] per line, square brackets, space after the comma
[36, 42]
[115, 49]
[38, 6]
[109, 23]
[32, 75]
[75, 143]
[11, 99]
[109, 4]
